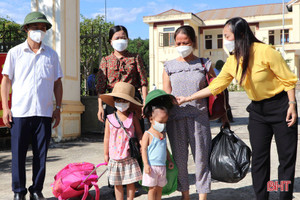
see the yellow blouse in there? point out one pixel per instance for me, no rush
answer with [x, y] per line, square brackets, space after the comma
[267, 74]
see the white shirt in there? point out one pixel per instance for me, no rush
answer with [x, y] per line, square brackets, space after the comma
[32, 76]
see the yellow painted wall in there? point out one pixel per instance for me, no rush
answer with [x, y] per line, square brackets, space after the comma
[158, 55]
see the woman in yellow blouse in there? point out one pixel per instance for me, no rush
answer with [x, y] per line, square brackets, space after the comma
[269, 83]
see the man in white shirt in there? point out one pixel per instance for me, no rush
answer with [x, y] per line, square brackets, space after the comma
[33, 72]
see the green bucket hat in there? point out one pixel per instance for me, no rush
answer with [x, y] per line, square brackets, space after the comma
[36, 17]
[159, 97]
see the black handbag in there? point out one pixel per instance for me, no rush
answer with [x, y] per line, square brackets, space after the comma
[230, 157]
[134, 144]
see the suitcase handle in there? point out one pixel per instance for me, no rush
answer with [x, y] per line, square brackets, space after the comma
[105, 163]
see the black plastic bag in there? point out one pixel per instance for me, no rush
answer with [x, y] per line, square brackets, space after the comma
[230, 157]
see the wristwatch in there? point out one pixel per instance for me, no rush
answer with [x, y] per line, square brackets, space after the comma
[292, 102]
[58, 107]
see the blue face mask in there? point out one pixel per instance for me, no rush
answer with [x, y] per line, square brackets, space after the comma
[160, 127]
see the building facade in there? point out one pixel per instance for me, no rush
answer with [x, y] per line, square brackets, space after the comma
[270, 23]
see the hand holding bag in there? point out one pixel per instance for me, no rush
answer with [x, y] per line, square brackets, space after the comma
[230, 157]
[134, 144]
[171, 176]
[216, 104]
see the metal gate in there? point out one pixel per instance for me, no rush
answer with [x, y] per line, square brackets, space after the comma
[90, 55]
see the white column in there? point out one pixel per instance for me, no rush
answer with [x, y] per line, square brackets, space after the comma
[64, 37]
[296, 39]
[152, 48]
[296, 22]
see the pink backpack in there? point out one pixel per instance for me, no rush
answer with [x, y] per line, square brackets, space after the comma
[76, 179]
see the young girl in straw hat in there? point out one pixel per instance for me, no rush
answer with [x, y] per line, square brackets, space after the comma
[122, 168]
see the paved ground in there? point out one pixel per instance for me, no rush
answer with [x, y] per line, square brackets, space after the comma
[89, 148]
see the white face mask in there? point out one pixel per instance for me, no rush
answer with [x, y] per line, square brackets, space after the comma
[37, 35]
[122, 106]
[160, 127]
[229, 45]
[184, 51]
[120, 45]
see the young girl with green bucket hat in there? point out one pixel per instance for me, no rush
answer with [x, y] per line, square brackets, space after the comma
[154, 146]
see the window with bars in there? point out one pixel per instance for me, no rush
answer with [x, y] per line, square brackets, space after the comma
[286, 36]
[208, 41]
[272, 37]
[166, 39]
[220, 41]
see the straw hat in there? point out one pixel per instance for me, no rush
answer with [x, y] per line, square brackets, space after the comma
[121, 90]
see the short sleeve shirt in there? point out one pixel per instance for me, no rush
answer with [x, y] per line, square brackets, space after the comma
[32, 76]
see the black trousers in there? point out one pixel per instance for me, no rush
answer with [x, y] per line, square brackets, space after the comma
[268, 118]
[38, 131]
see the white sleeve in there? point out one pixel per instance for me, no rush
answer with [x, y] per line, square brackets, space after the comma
[9, 65]
[57, 67]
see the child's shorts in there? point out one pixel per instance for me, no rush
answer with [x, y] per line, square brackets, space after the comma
[157, 177]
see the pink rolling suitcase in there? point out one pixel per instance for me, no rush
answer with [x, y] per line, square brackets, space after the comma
[76, 179]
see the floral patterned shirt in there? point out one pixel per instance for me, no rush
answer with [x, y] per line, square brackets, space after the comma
[128, 69]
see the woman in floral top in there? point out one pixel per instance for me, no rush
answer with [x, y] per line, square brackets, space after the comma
[120, 66]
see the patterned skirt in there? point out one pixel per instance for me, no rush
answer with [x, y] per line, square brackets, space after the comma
[123, 172]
